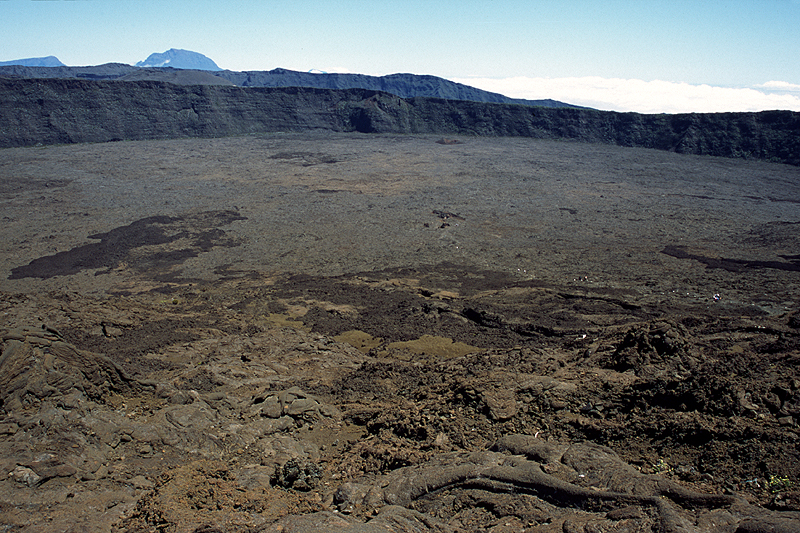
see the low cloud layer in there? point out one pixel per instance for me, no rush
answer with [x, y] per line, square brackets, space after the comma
[614, 94]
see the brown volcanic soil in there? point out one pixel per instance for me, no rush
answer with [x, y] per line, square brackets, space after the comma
[315, 332]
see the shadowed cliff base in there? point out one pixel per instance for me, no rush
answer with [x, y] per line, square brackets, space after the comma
[58, 111]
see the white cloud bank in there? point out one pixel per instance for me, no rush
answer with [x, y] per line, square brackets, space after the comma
[614, 94]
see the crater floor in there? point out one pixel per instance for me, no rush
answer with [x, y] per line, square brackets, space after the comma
[306, 332]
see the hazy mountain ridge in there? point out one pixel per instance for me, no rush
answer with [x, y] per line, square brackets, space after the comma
[176, 76]
[71, 111]
[48, 61]
[403, 85]
[107, 71]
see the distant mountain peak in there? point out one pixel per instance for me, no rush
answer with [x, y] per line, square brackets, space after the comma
[176, 58]
[49, 61]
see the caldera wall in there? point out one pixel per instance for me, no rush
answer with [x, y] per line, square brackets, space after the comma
[55, 111]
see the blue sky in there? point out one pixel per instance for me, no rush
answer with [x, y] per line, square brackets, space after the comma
[626, 55]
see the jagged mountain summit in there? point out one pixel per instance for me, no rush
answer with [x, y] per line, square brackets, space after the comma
[182, 59]
[49, 61]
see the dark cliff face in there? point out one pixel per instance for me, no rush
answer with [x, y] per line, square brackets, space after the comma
[768, 135]
[67, 111]
[48, 111]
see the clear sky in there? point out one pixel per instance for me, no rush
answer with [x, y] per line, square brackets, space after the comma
[626, 55]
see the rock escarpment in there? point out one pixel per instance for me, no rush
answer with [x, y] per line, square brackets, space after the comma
[52, 111]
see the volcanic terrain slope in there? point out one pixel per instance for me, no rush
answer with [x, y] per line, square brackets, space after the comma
[317, 331]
